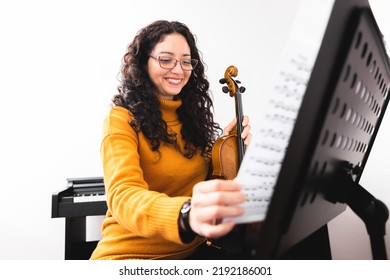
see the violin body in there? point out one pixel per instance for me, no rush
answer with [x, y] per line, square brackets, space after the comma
[225, 154]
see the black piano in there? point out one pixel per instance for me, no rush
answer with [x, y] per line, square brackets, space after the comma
[82, 197]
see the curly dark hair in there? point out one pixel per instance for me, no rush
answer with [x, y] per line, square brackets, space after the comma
[137, 95]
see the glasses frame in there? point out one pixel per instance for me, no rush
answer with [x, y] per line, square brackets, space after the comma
[194, 62]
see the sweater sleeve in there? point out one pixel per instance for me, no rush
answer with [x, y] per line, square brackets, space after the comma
[131, 203]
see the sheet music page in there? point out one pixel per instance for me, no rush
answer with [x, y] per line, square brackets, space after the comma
[264, 156]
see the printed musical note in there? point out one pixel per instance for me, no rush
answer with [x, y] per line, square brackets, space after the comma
[284, 106]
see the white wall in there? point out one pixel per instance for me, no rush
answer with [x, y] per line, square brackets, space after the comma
[59, 62]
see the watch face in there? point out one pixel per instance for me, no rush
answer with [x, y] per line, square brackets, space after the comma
[186, 207]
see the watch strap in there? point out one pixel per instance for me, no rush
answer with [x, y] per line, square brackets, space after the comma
[187, 234]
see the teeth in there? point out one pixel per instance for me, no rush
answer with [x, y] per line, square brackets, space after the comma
[174, 81]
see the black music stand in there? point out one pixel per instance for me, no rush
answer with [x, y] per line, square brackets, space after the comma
[339, 118]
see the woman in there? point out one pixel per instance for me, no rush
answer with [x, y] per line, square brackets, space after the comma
[155, 151]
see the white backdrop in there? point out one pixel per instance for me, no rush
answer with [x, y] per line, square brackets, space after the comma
[59, 62]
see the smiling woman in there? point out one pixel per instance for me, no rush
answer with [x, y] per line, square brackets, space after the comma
[167, 75]
[156, 146]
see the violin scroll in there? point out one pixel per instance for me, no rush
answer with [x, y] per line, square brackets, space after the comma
[232, 85]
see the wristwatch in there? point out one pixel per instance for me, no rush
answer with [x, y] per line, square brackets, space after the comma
[184, 215]
[187, 235]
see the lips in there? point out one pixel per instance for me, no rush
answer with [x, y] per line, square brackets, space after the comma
[174, 81]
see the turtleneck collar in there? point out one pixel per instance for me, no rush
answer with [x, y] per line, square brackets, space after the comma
[168, 109]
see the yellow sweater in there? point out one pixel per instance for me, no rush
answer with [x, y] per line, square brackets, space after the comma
[145, 192]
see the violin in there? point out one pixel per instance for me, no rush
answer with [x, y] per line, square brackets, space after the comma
[227, 154]
[228, 151]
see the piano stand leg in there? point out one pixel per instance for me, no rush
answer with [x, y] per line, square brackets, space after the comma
[75, 235]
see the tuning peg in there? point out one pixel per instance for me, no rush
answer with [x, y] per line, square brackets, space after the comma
[222, 81]
[238, 82]
[225, 89]
[242, 89]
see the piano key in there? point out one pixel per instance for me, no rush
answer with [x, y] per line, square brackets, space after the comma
[89, 198]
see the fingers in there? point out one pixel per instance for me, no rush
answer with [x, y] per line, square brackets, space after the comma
[246, 135]
[215, 200]
[218, 199]
[218, 212]
[245, 121]
[216, 231]
[230, 126]
[217, 192]
[217, 185]
[203, 220]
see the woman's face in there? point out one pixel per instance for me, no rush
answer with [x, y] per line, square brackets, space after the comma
[169, 82]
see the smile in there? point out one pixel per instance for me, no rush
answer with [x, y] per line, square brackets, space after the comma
[173, 81]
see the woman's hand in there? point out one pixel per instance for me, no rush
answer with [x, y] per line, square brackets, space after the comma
[214, 200]
[246, 135]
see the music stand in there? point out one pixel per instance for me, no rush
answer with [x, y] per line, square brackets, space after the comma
[342, 109]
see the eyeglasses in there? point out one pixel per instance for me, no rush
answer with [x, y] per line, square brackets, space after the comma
[167, 62]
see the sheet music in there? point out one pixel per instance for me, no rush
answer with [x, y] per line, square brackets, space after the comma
[264, 157]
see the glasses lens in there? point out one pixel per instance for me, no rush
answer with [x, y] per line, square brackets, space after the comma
[169, 63]
[188, 64]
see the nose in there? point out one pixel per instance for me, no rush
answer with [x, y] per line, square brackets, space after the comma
[177, 68]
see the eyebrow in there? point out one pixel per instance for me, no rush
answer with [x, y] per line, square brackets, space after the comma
[171, 53]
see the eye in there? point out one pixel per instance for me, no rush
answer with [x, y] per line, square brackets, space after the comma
[186, 62]
[166, 60]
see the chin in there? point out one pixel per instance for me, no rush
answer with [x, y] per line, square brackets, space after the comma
[173, 93]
